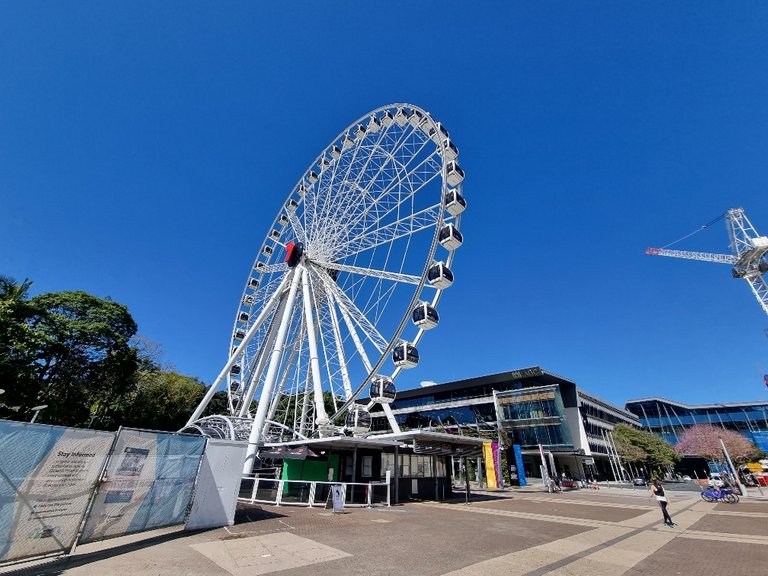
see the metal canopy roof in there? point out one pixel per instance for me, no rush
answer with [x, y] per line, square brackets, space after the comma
[347, 442]
[438, 443]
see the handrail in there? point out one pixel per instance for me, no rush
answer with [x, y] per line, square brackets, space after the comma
[279, 488]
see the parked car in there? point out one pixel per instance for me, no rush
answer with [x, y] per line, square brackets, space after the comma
[640, 481]
[715, 480]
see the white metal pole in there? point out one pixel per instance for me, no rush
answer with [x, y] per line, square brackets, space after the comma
[261, 412]
[391, 418]
[616, 452]
[340, 350]
[734, 472]
[321, 417]
[233, 358]
[261, 363]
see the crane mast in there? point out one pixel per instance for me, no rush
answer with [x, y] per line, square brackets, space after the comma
[747, 260]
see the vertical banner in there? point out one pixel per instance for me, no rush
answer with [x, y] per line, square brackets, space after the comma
[519, 465]
[148, 484]
[496, 463]
[490, 469]
[47, 477]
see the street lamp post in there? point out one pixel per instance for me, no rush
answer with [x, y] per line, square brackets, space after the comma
[37, 410]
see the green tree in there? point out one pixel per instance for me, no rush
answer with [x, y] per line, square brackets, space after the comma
[68, 350]
[18, 348]
[163, 400]
[659, 454]
[626, 449]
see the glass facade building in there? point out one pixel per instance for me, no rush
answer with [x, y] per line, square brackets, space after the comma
[535, 416]
[669, 419]
[533, 407]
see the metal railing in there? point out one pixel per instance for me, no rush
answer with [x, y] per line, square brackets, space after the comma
[255, 489]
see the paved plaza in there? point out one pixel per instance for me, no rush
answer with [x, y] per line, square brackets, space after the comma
[515, 533]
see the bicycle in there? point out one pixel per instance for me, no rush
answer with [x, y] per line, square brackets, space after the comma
[712, 494]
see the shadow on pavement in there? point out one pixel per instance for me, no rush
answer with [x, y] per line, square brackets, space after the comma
[56, 567]
[246, 513]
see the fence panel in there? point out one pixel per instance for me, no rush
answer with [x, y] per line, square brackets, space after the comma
[217, 485]
[47, 477]
[148, 484]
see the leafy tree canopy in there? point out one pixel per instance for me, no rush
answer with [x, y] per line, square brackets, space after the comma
[67, 350]
[80, 355]
[163, 400]
[704, 440]
[658, 453]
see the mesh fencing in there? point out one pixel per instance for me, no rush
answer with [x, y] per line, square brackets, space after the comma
[47, 477]
[149, 482]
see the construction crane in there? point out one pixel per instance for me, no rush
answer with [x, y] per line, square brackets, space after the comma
[749, 251]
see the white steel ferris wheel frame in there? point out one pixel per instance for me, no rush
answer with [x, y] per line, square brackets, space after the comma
[368, 212]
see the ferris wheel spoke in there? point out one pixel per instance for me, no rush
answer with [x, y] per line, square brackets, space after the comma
[392, 197]
[333, 200]
[346, 305]
[333, 361]
[298, 229]
[346, 382]
[411, 224]
[355, 336]
[388, 155]
[372, 273]
[271, 268]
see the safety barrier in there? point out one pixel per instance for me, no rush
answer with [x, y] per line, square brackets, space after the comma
[60, 486]
[255, 489]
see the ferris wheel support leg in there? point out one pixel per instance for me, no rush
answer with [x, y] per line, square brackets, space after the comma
[281, 384]
[262, 361]
[236, 354]
[259, 419]
[321, 416]
[304, 408]
[391, 418]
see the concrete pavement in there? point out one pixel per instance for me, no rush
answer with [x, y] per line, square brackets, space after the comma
[610, 532]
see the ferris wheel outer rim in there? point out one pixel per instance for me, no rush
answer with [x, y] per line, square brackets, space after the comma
[430, 258]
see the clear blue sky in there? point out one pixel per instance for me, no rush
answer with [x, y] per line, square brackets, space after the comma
[145, 148]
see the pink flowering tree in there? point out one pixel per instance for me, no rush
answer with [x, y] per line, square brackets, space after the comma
[704, 440]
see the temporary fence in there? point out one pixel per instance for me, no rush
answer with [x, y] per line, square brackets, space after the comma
[148, 484]
[217, 484]
[47, 477]
[254, 489]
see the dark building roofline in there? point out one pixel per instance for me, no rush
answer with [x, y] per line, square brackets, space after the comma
[605, 404]
[533, 373]
[696, 406]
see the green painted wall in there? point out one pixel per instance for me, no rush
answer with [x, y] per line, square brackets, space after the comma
[316, 470]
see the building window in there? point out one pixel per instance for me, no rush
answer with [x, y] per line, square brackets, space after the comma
[367, 466]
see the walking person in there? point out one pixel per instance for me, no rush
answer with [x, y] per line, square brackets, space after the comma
[661, 497]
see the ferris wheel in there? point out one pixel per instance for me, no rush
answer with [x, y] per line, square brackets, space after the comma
[346, 282]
